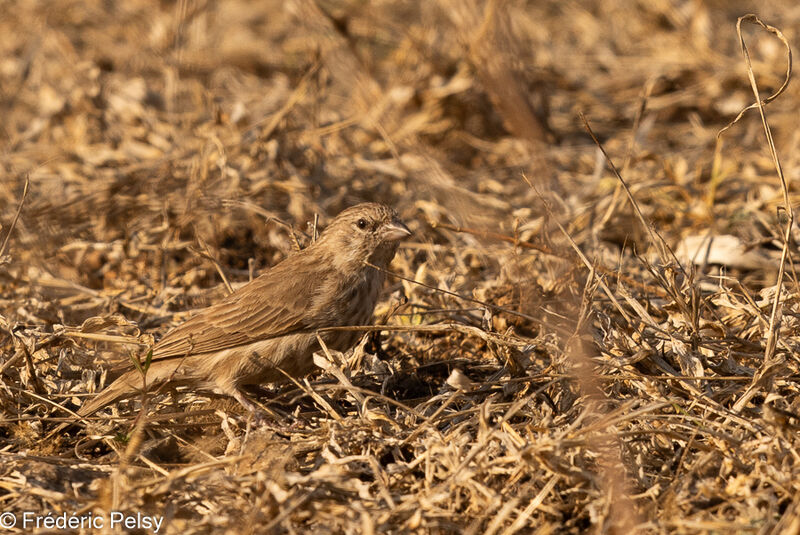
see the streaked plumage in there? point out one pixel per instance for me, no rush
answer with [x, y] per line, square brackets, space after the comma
[271, 322]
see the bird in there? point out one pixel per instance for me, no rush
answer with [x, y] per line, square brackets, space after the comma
[269, 328]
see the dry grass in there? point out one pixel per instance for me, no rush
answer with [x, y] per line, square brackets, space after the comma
[547, 364]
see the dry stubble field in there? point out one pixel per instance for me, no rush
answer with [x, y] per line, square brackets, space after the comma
[566, 350]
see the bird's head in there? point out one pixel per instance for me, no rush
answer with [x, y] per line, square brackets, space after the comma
[367, 232]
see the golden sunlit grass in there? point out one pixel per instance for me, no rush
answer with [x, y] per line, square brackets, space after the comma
[593, 329]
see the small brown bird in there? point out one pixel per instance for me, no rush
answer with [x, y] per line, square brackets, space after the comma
[271, 323]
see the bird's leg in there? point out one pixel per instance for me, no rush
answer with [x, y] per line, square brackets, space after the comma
[258, 414]
[230, 388]
[239, 396]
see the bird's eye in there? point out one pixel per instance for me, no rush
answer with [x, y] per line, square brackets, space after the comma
[361, 223]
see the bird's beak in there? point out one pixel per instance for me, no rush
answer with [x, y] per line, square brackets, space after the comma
[395, 230]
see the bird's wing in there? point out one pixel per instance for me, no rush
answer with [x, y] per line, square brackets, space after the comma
[278, 302]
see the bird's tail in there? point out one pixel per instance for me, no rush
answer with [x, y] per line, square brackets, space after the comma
[123, 387]
[127, 385]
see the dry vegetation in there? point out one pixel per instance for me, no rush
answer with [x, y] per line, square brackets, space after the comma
[547, 364]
